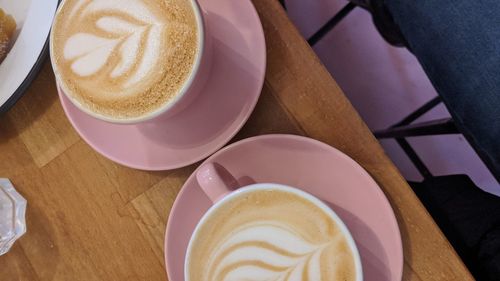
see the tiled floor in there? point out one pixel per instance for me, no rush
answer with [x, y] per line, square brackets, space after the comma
[377, 77]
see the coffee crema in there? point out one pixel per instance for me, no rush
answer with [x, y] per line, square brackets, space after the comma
[270, 235]
[124, 58]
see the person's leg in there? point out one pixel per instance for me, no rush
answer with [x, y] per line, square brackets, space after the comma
[470, 219]
[458, 45]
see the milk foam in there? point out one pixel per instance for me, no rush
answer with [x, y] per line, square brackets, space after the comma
[125, 23]
[124, 57]
[271, 236]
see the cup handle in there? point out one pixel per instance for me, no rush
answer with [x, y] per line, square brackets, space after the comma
[216, 181]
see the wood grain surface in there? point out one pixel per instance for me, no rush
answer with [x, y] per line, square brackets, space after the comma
[91, 219]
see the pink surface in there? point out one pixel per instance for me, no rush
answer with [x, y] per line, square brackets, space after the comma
[214, 117]
[376, 76]
[314, 167]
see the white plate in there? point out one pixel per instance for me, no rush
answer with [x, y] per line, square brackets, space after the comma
[34, 19]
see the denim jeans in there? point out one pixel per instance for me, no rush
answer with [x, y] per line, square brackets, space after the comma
[458, 44]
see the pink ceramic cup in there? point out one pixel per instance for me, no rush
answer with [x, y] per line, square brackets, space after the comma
[220, 186]
[188, 92]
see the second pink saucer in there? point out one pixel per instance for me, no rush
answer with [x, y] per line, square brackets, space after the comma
[223, 106]
[314, 167]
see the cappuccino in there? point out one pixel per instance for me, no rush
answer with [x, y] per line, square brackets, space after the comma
[269, 234]
[124, 58]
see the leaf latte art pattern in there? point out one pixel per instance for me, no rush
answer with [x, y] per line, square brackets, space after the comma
[124, 57]
[264, 250]
[123, 41]
[269, 235]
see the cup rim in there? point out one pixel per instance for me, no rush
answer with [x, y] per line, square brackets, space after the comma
[164, 107]
[266, 186]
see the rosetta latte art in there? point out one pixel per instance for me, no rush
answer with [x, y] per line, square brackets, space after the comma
[269, 251]
[124, 57]
[270, 236]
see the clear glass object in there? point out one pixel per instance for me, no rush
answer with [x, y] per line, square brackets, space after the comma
[12, 215]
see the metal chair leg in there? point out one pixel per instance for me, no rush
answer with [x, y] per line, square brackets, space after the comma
[403, 129]
[419, 112]
[414, 158]
[282, 2]
[444, 126]
[331, 24]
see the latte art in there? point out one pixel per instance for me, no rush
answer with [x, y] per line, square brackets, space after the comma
[124, 58]
[270, 235]
[131, 44]
[264, 249]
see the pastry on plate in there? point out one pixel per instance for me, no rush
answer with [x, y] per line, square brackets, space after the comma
[7, 28]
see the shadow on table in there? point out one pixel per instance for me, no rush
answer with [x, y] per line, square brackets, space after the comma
[40, 96]
[35, 256]
[40, 244]
[374, 260]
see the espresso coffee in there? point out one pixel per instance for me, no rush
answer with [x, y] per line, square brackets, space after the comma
[270, 235]
[124, 58]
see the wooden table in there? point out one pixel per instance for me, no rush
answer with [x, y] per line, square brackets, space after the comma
[91, 219]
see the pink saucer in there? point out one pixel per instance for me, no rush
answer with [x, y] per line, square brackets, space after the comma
[221, 109]
[314, 167]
